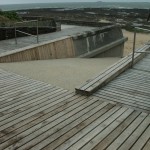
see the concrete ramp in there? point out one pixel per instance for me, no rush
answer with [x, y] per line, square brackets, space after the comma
[98, 42]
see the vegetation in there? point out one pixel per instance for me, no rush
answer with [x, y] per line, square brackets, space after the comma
[130, 28]
[9, 15]
[7, 18]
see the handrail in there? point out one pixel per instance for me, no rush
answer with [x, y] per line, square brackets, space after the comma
[134, 41]
[37, 30]
[142, 29]
[26, 21]
[25, 33]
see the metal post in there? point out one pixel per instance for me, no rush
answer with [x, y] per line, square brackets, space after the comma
[37, 32]
[15, 35]
[133, 48]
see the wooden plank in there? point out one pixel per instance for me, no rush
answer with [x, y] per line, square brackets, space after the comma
[127, 133]
[17, 87]
[50, 122]
[136, 134]
[35, 105]
[75, 134]
[122, 99]
[123, 94]
[18, 96]
[10, 121]
[27, 102]
[76, 124]
[91, 139]
[131, 91]
[104, 143]
[76, 119]
[142, 140]
[55, 108]
[125, 103]
[147, 145]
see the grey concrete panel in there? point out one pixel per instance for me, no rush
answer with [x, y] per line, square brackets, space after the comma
[99, 38]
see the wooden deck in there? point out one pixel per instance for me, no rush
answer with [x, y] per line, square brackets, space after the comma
[131, 89]
[36, 115]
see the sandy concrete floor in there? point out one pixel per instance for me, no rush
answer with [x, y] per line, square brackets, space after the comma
[69, 73]
[65, 73]
[141, 39]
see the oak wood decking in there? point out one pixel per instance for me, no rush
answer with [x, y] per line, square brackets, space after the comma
[36, 115]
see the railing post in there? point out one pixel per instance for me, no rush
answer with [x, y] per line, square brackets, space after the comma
[134, 40]
[15, 34]
[37, 32]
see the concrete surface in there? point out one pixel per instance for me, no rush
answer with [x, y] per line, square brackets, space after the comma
[66, 73]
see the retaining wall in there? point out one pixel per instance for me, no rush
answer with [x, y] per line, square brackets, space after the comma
[101, 42]
[60, 48]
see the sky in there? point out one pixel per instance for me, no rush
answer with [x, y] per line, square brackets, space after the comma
[50, 1]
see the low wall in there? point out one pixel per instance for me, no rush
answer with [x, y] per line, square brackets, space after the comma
[103, 42]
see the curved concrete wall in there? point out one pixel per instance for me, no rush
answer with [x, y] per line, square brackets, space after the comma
[90, 42]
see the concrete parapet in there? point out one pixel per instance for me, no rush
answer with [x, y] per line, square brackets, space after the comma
[94, 43]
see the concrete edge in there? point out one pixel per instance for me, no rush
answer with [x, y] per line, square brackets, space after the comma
[104, 48]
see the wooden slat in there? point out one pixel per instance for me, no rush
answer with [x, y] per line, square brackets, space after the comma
[142, 140]
[127, 133]
[92, 121]
[50, 122]
[105, 141]
[100, 130]
[136, 134]
[147, 145]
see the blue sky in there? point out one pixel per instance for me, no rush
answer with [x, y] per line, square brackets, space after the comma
[47, 1]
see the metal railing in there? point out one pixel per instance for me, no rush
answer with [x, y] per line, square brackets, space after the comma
[37, 30]
[134, 42]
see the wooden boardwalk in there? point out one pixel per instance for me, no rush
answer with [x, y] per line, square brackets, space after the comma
[36, 115]
[131, 89]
